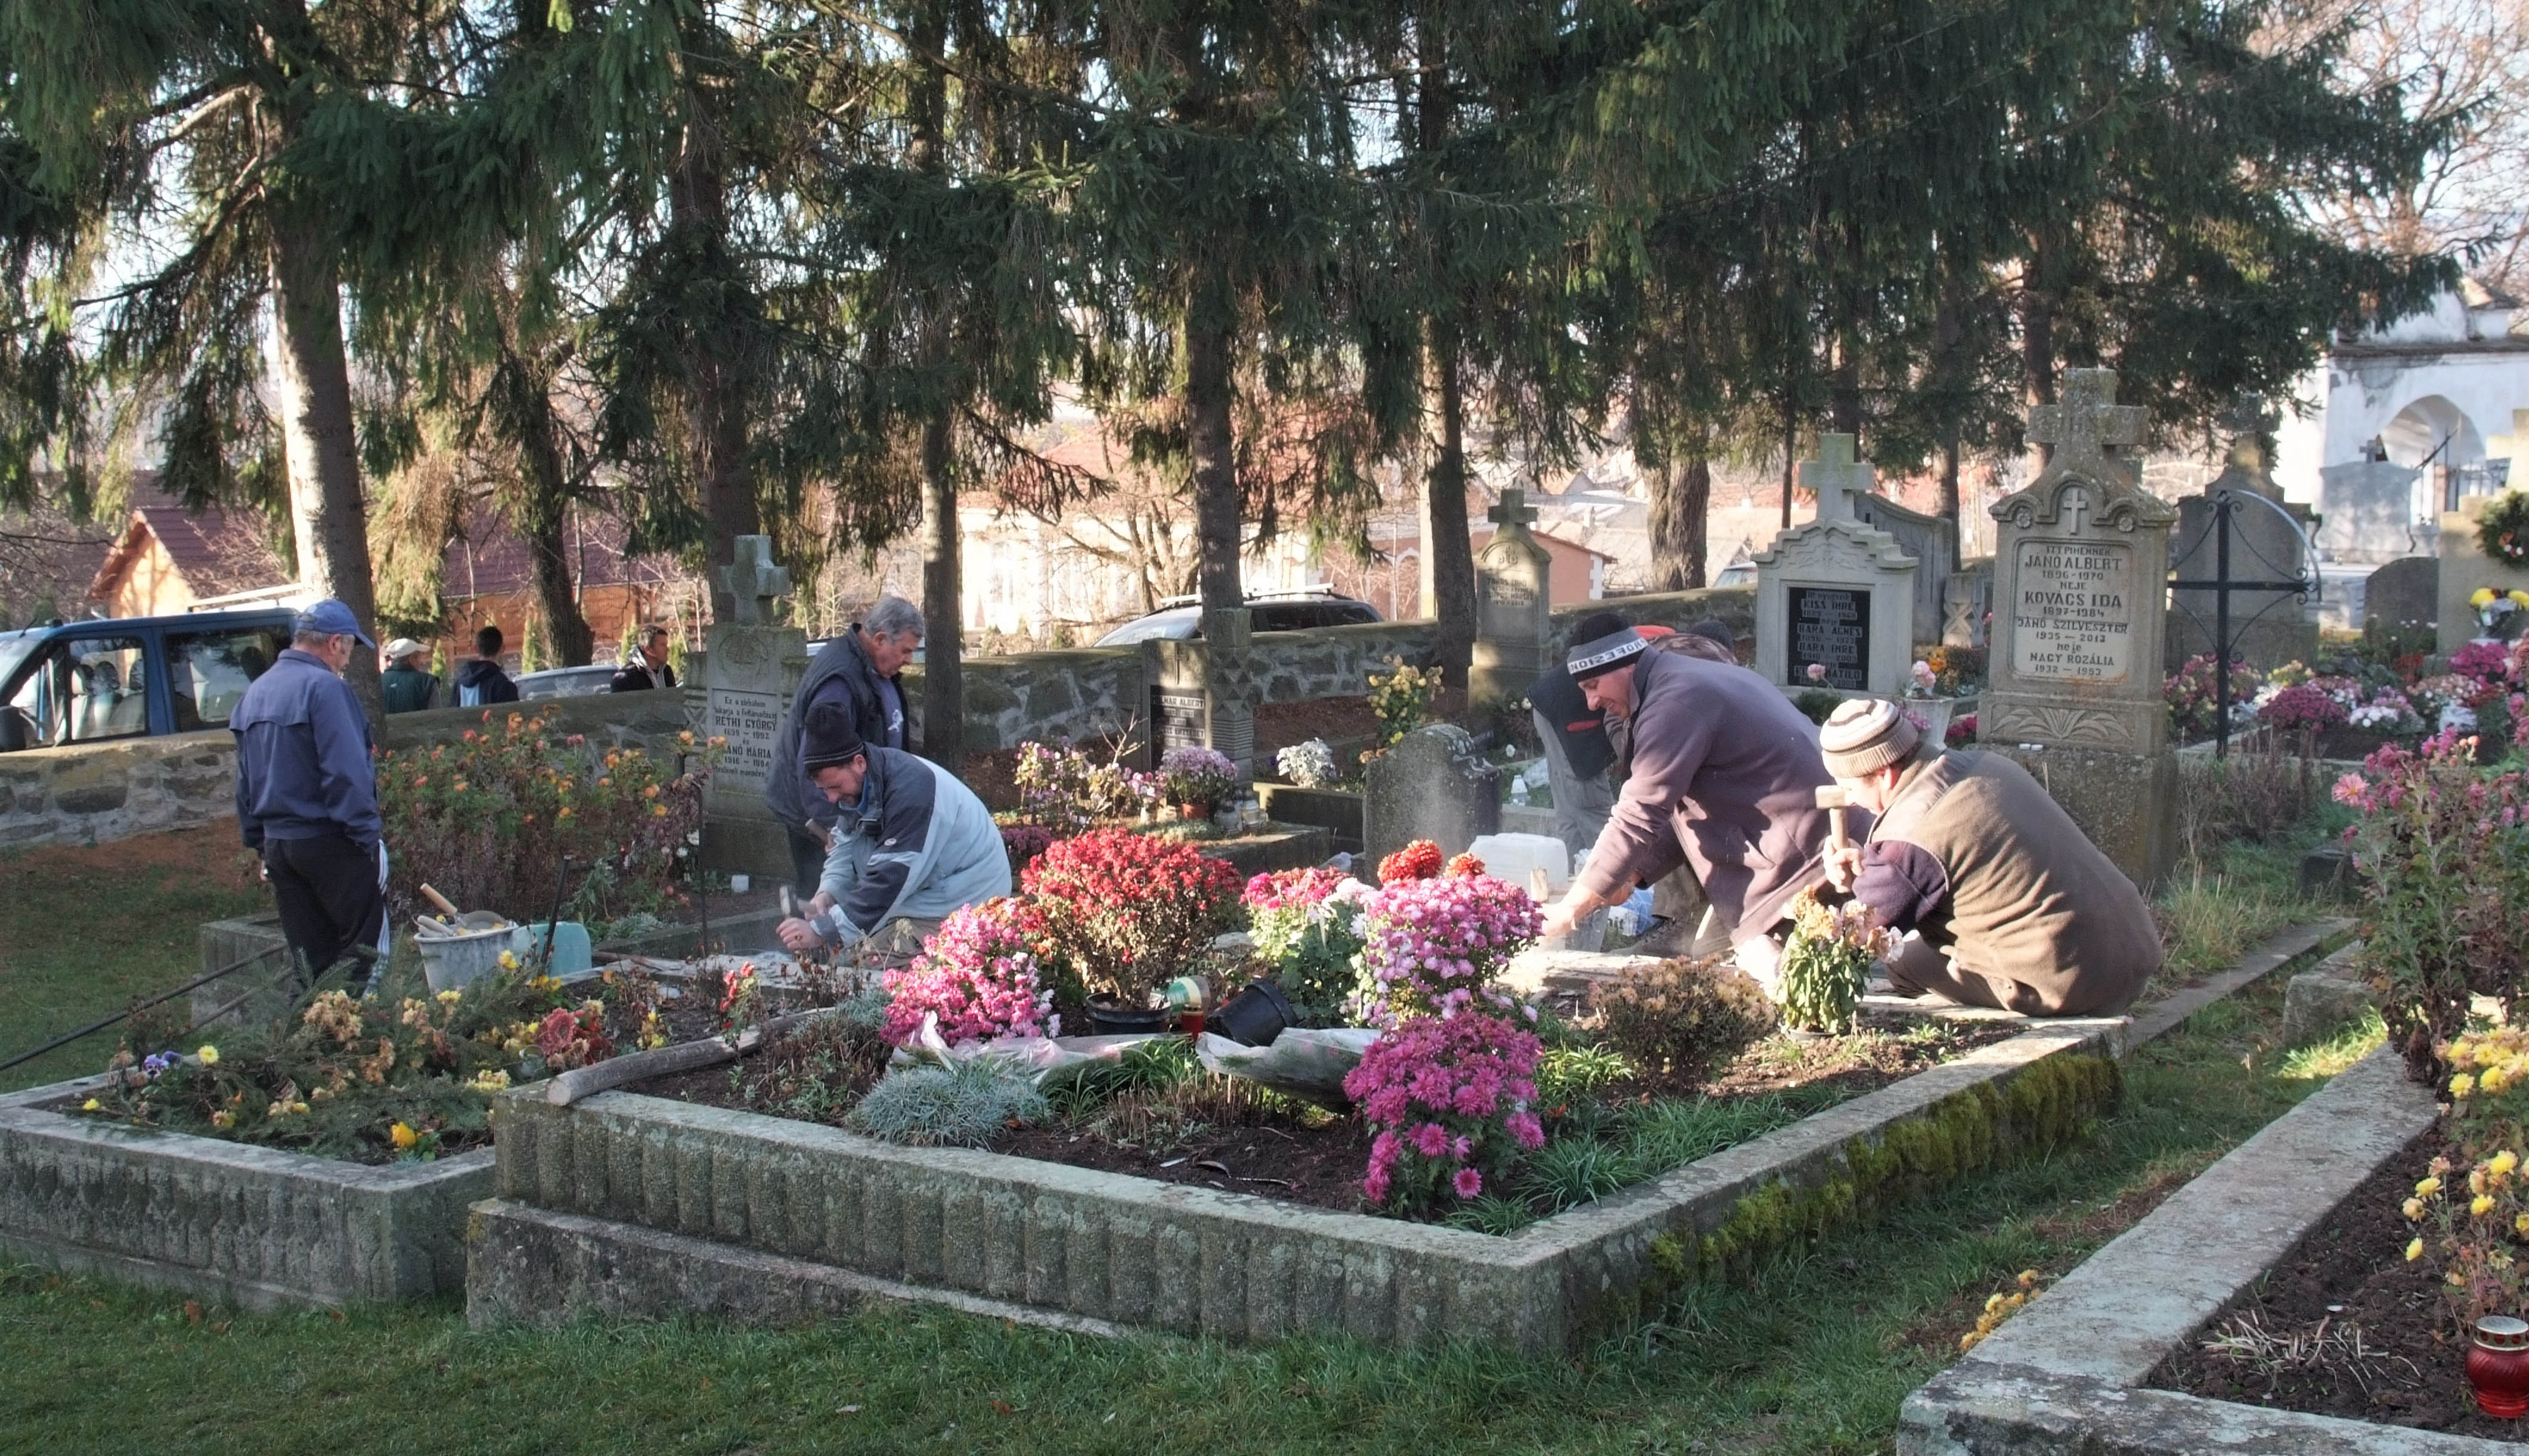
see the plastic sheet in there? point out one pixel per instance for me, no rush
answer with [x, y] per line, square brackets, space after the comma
[1303, 1063]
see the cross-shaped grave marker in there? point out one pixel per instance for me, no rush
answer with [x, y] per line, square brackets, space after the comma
[752, 581]
[2086, 421]
[1514, 509]
[1837, 478]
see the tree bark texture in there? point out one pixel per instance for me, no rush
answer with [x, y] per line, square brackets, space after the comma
[329, 517]
[943, 673]
[716, 382]
[1448, 565]
[1681, 506]
[1216, 504]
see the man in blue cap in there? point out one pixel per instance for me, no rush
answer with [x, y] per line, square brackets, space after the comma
[307, 794]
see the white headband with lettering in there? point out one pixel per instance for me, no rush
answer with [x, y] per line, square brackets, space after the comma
[1590, 658]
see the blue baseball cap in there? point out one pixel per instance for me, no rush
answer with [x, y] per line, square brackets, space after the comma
[333, 619]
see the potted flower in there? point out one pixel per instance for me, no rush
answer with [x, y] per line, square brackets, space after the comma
[1128, 912]
[2494, 610]
[1196, 779]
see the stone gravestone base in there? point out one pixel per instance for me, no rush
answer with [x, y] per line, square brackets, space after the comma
[1435, 784]
[2124, 802]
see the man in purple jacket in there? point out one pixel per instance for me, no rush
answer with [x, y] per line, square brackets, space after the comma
[1724, 779]
[307, 793]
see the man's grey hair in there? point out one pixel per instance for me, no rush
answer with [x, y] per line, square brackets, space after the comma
[892, 614]
[304, 638]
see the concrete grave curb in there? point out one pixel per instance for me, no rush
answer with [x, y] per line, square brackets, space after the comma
[258, 1226]
[1131, 1251]
[2064, 1376]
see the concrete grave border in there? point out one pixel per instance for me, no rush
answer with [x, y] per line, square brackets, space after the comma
[2064, 1376]
[258, 1226]
[588, 1191]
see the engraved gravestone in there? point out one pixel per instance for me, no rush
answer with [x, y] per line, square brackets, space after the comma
[1833, 591]
[1514, 605]
[750, 668]
[1200, 690]
[2080, 573]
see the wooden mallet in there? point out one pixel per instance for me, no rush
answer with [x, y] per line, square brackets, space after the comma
[1833, 798]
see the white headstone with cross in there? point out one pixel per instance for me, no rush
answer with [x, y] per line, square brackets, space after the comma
[1834, 596]
[2080, 613]
[1514, 604]
[751, 668]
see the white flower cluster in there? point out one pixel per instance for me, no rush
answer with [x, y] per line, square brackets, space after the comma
[1309, 764]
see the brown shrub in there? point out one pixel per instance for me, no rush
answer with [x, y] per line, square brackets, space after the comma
[1680, 1019]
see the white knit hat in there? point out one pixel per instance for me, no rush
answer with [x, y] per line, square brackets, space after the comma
[1866, 734]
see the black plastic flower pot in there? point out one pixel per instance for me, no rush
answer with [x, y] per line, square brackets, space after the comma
[1254, 1016]
[1105, 1020]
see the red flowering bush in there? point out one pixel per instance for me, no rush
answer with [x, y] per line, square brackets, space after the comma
[2485, 662]
[1461, 866]
[1450, 1099]
[1129, 911]
[979, 974]
[1419, 861]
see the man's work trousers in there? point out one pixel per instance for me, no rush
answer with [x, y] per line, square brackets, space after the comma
[330, 899]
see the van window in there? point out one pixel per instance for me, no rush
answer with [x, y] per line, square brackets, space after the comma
[83, 689]
[208, 671]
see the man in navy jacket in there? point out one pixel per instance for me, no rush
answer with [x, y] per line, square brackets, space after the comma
[307, 793]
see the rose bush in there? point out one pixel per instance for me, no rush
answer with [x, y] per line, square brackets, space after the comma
[1450, 1099]
[1130, 911]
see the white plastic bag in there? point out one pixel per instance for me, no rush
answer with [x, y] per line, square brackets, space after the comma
[1035, 1057]
[1302, 1063]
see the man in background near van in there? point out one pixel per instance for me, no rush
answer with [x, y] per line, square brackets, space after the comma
[647, 668]
[408, 684]
[480, 683]
[307, 794]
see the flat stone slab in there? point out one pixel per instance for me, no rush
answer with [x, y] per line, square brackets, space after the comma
[1134, 1252]
[253, 1226]
[2323, 998]
[2064, 1374]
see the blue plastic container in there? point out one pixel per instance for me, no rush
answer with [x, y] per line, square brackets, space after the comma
[570, 950]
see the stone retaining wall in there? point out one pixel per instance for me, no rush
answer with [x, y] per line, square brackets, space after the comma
[93, 792]
[253, 1226]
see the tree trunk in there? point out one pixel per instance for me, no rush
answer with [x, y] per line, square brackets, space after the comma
[1216, 504]
[543, 503]
[329, 517]
[2037, 339]
[944, 639]
[1681, 505]
[716, 383]
[1948, 331]
[944, 674]
[1448, 564]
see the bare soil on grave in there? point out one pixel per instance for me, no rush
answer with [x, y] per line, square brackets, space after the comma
[1222, 1143]
[2348, 1280]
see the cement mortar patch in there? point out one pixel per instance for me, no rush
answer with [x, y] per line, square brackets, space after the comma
[1135, 1251]
[229, 1221]
[2064, 1374]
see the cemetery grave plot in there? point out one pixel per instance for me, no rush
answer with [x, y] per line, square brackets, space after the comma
[1158, 1115]
[2344, 1324]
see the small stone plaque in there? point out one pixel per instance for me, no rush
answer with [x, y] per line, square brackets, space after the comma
[2074, 621]
[749, 721]
[1179, 719]
[1831, 625]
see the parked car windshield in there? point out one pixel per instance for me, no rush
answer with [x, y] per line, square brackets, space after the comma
[1179, 623]
[16, 648]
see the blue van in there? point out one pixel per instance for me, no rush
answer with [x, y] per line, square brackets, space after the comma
[134, 677]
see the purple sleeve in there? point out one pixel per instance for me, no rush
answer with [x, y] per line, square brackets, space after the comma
[1901, 882]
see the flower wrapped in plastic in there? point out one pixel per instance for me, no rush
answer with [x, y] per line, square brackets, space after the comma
[1306, 922]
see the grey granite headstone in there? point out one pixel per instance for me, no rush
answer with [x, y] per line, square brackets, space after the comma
[2268, 629]
[1933, 544]
[751, 668]
[2404, 593]
[1514, 605]
[2367, 510]
[1435, 784]
[1200, 690]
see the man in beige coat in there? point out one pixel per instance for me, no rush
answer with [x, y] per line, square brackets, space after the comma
[2014, 905]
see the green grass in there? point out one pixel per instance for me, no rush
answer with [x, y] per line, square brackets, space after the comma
[2219, 909]
[1812, 1355]
[83, 931]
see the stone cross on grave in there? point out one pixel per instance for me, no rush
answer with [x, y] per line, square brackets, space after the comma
[752, 581]
[1514, 509]
[2249, 419]
[2086, 421]
[1837, 478]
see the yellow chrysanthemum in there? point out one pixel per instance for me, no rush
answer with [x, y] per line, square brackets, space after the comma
[209, 1055]
[2480, 1206]
[2413, 1209]
[405, 1137]
[2428, 1187]
[2461, 1085]
[2481, 596]
[2414, 1250]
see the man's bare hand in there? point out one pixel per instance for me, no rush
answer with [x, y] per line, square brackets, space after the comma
[1844, 866]
[798, 935]
[1564, 913]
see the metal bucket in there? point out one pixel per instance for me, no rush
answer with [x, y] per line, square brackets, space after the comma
[449, 962]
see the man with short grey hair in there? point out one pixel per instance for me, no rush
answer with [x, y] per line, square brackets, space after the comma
[861, 673]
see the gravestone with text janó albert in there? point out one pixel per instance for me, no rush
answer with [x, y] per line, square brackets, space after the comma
[1514, 605]
[2081, 605]
[1200, 690]
[751, 667]
[1833, 592]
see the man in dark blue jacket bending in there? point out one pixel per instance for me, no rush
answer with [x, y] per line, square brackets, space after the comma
[307, 794]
